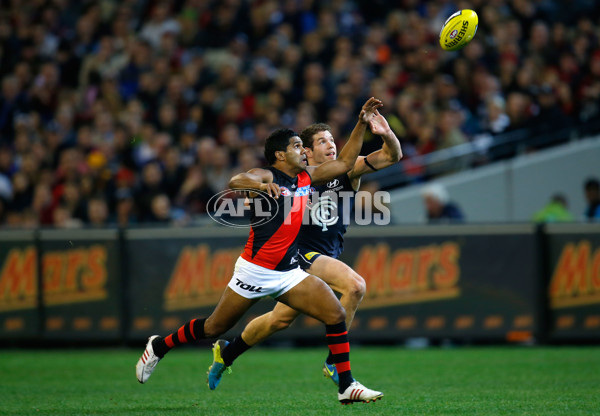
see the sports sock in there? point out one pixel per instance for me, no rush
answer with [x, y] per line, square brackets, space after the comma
[337, 339]
[235, 348]
[329, 359]
[191, 331]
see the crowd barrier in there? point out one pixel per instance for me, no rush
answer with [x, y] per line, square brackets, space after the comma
[509, 282]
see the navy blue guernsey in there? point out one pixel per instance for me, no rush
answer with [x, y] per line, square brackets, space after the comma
[330, 208]
[273, 244]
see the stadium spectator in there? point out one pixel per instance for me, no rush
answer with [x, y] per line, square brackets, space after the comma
[160, 23]
[438, 207]
[125, 214]
[62, 218]
[117, 78]
[592, 197]
[556, 210]
[152, 184]
[97, 212]
[160, 210]
[195, 192]
[496, 121]
[219, 171]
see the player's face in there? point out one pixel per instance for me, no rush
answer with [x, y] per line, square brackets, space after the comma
[324, 148]
[296, 154]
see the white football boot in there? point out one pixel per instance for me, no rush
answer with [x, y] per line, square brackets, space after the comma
[356, 392]
[147, 362]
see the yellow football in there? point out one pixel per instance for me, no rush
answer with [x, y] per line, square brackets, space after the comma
[459, 30]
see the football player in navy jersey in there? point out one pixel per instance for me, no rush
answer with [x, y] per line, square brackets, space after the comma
[269, 264]
[321, 238]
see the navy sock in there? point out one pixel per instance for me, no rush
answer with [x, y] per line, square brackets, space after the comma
[235, 348]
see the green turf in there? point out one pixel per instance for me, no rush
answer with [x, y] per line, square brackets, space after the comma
[461, 381]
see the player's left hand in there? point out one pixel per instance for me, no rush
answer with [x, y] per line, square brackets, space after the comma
[369, 109]
[378, 124]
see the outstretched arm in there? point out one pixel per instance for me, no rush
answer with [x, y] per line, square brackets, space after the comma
[347, 157]
[258, 179]
[390, 152]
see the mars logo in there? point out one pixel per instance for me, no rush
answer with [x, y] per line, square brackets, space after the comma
[68, 276]
[453, 34]
[199, 277]
[397, 276]
[333, 183]
[18, 280]
[229, 208]
[576, 277]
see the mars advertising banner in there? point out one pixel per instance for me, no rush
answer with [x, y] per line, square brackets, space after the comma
[463, 281]
[180, 274]
[82, 289]
[19, 294]
[574, 281]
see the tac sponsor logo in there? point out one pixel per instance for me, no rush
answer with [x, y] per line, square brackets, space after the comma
[231, 208]
[576, 276]
[308, 256]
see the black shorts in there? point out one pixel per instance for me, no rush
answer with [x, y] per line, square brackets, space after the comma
[306, 258]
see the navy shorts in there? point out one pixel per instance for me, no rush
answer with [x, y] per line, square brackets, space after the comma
[306, 258]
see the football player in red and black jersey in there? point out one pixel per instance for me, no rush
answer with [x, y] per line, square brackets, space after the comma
[322, 236]
[269, 264]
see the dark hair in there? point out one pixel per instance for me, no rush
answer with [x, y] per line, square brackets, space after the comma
[560, 198]
[277, 141]
[307, 134]
[592, 184]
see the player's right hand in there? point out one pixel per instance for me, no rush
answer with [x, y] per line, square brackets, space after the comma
[272, 189]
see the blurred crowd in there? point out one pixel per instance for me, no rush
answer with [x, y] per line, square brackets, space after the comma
[138, 111]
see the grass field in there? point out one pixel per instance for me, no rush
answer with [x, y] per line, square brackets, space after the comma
[461, 381]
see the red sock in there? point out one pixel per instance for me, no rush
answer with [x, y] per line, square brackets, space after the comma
[190, 332]
[337, 339]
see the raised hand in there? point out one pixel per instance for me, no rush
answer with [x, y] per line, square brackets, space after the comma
[378, 124]
[369, 109]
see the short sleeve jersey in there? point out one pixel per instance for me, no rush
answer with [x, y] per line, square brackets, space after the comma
[273, 243]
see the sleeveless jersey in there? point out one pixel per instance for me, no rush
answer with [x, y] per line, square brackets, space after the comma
[273, 244]
[330, 208]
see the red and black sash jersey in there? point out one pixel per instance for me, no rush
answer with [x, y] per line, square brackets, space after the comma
[273, 244]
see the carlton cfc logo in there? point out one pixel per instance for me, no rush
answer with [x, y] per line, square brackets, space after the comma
[285, 191]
